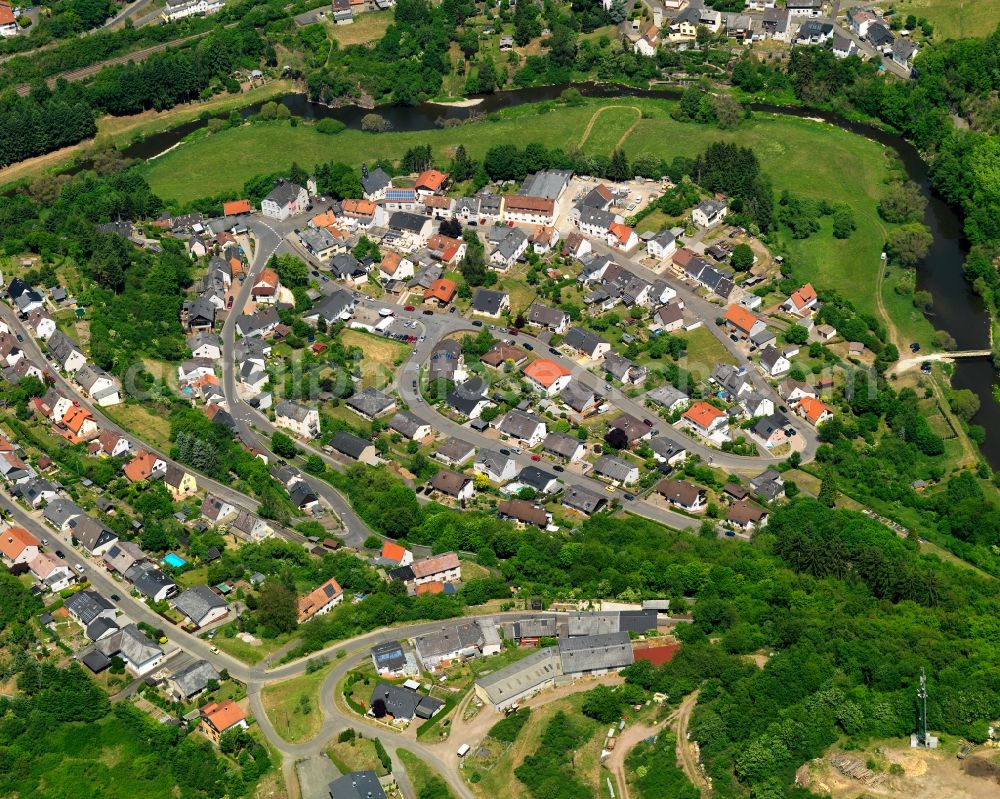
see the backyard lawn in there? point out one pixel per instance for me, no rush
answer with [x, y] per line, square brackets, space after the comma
[356, 755]
[382, 359]
[704, 350]
[365, 28]
[145, 425]
[293, 705]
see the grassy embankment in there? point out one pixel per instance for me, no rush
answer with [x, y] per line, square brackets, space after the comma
[293, 705]
[803, 156]
[120, 131]
[955, 19]
[421, 775]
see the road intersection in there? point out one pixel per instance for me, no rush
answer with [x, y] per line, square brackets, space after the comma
[254, 427]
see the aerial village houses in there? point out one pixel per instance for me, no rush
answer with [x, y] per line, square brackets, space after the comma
[320, 600]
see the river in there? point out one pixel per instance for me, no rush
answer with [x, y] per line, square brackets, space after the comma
[957, 308]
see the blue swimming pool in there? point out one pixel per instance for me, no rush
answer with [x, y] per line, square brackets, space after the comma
[174, 560]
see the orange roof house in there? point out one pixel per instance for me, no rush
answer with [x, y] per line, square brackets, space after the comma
[740, 318]
[18, 545]
[140, 467]
[235, 266]
[320, 600]
[431, 180]
[442, 290]
[236, 207]
[6, 15]
[360, 208]
[324, 219]
[704, 417]
[621, 232]
[545, 372]
[801, 300]
[444, 248]
[814, 410]
[219, 717]
[76, 417]
[390, 262]
[393, 551]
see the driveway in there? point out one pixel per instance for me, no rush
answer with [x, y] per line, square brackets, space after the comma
[315, 775]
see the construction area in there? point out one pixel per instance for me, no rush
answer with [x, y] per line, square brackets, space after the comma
[899, 771]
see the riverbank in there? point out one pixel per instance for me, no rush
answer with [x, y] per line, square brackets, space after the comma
[805, 157]
[119, 132]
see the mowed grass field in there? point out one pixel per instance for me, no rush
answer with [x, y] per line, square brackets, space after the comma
[803, 156]
[955, 19]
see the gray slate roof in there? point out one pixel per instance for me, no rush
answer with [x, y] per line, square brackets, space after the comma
[198, 601]
[595, 652]
[194, 678]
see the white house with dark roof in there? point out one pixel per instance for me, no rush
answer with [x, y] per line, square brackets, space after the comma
[300, 419]
[709, 213]
[200, 605]
[284, 200]
[495, 466]
[523, 426]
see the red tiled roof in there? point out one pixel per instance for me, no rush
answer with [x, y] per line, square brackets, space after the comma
[535, 205]
[14, 540]
[431, 179]
[317, 598]
[545, 372]
[393, 551]
[441, 289]
[813, 409]
[140, 467]
[741, 318]
[703, 414]
[621, 232]
[236, 207]
[223, 715]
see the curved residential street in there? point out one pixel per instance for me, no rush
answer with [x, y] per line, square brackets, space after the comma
[254, 428]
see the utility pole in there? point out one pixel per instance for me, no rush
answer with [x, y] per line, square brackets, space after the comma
[922, 710]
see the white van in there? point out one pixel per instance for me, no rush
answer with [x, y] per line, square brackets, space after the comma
[463, 750]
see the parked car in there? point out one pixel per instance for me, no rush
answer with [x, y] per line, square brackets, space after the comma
[60, 554]
[553, 351]
[528, 347]
[536, 457]
[559, 468]
[504, 451]
[409, 308]
[477, 323]
[428, 312]
[513, 331]
[115, 598]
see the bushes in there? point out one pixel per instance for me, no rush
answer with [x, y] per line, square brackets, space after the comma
[383, 756]
[507, 729]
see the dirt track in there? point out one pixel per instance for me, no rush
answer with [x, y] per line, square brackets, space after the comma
[686, 758]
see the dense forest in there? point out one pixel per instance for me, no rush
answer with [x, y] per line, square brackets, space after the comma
[824, 590]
